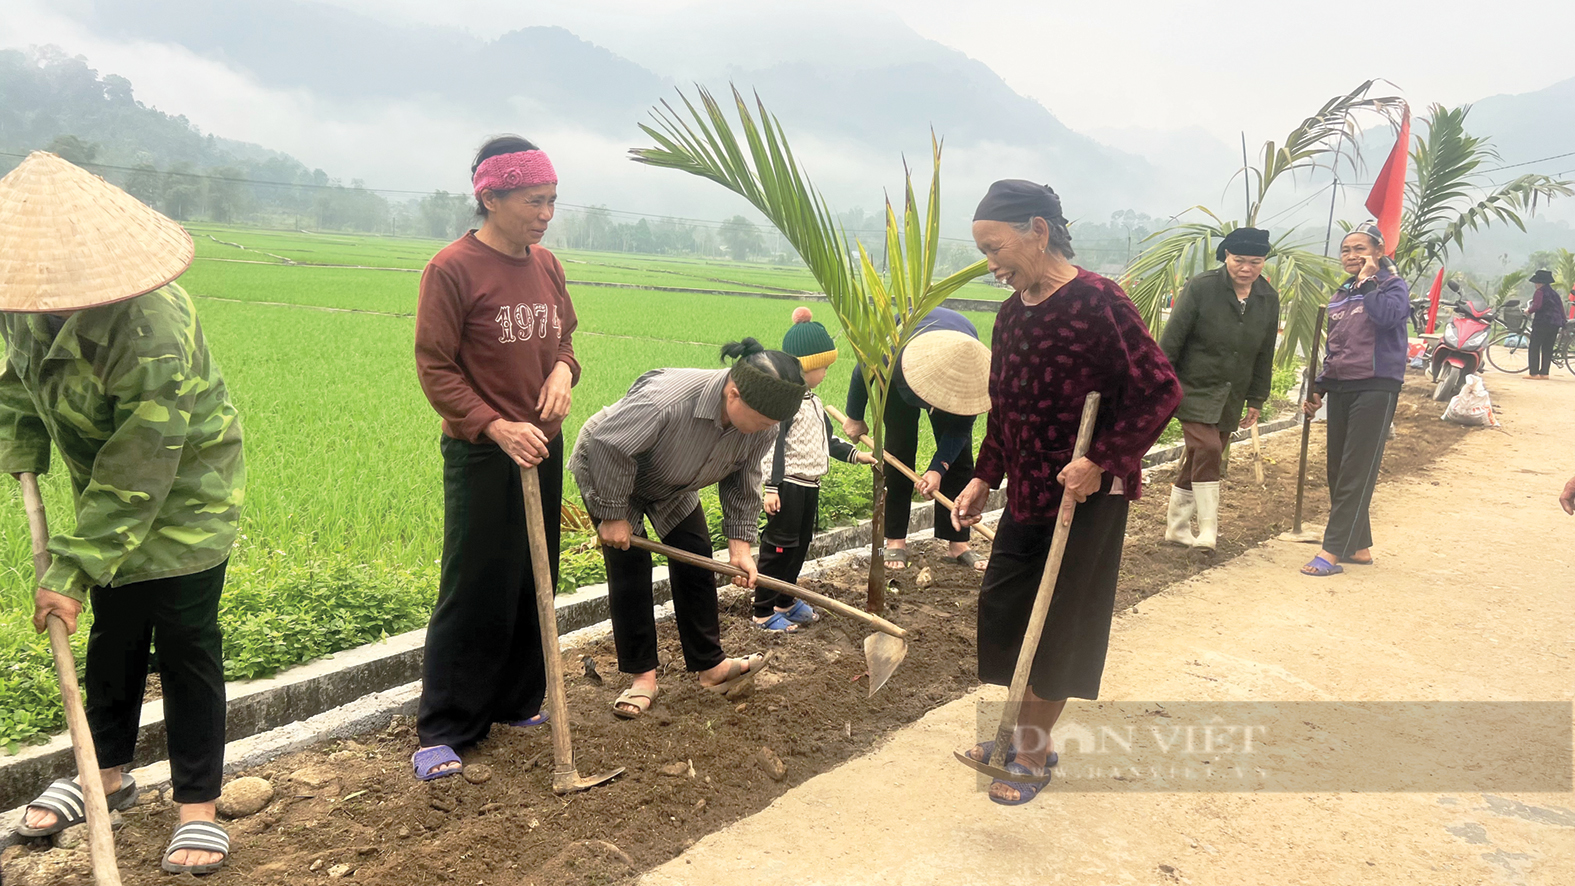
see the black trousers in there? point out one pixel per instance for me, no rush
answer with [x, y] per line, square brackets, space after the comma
[1540, 348]
[785, 543]
[1358, 429]
[630, 598]
[484, 662]
[181, 616]
[901, 439]
[1070, 660]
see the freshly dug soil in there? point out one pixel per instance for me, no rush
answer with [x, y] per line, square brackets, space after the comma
[697, 761]
[1251, 513]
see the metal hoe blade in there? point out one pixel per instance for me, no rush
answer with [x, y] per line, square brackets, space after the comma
[570, 781]
[882, 654]
[1310, 535]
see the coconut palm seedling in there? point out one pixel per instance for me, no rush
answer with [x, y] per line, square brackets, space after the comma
[1449, 192]
[879, 312]
[1303, 276]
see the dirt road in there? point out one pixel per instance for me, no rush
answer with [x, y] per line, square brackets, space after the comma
[1470, 603]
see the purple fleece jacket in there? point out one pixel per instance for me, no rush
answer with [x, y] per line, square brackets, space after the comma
[1367, 340]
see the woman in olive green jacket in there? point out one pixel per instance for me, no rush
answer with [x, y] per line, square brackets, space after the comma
[1220, 338]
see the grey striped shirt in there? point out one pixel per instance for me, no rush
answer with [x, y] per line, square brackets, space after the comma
[649, 455]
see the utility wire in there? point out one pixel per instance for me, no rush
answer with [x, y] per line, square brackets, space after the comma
[701, 222]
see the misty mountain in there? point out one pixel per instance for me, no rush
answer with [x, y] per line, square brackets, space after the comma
[47, 94]
[852, 115]
[1531, 125]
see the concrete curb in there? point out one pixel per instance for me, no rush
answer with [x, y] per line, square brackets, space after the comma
[305, 691]
[1174, 453]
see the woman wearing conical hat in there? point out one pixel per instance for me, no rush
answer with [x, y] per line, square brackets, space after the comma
[944, 372]
[105, 359]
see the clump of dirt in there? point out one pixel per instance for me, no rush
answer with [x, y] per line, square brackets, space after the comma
[696, 762]
[353, 808]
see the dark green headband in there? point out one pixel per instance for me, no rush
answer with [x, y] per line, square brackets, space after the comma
[775, 398]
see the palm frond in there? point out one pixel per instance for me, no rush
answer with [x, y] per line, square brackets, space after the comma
[878, 312]
[1331, 130]
[1442, 202]
[1304, 279]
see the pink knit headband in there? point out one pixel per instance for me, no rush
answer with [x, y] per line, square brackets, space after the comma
[522, 169]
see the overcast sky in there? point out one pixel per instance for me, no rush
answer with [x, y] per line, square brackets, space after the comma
[1157, 64]
[1131, 74]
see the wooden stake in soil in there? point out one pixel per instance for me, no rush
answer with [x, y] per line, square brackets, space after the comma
[883, 651]
[566, 778]
[996, 765]
[908, 472]
[101, 839]
[1300, 533]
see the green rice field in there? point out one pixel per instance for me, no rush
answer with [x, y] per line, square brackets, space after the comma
[341, 530]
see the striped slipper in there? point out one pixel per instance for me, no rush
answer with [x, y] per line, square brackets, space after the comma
[64, 798]
[201, 836]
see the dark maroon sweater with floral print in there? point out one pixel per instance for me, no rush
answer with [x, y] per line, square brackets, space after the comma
[1045, 360]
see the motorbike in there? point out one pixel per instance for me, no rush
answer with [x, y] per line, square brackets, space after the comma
[1464, 345]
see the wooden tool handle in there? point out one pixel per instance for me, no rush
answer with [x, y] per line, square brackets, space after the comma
[1257, 454]
[547, 619]
[101, 838]
[1046, 593]
[906, 471]
[808, 596]
[1307, 387]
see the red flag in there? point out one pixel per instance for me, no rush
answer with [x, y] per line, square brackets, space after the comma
[1388, 194]
[1432, 300]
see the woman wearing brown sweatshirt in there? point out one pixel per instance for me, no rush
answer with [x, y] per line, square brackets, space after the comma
[494, 326]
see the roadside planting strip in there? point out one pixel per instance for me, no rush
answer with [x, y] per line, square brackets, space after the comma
[360, 690]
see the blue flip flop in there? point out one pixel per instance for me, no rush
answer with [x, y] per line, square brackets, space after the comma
[428, 759]
[1026, 791]
[1318, 567]
[529, 722]
[778, 623]
[801, 613]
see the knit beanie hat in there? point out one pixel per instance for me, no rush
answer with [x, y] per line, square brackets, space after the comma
[809, 341]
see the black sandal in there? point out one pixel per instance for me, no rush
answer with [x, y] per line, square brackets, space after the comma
[199, 836]
[64, 798]
[898, 556]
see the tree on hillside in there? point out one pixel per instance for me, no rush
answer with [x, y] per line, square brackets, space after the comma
[182, 191]
[741, 238]
[145, 183]
[72, 149]
[443, 215]
[224, 194]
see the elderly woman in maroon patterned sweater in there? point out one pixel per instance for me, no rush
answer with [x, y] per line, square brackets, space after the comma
[1063, 333]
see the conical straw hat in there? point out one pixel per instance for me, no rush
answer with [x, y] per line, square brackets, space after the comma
[70, 240]
[950, 371]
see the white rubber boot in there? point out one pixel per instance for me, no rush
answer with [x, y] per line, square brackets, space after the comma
[1178, 528]
[1208, 499]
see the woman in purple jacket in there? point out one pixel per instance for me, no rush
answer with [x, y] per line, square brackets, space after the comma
[1363, 368]
[1547, 318]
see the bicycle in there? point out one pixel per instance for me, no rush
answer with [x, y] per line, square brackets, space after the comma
[1509, 341]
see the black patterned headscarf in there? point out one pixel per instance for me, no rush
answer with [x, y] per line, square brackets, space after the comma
[1018, 201]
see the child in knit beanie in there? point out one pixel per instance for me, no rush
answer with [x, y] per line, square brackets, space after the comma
[805, 447]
